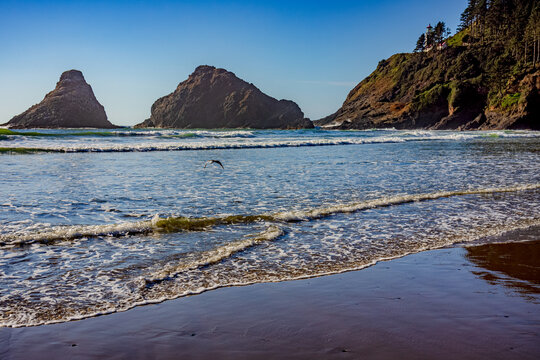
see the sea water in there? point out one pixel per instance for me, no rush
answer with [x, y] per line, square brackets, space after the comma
[94, 222]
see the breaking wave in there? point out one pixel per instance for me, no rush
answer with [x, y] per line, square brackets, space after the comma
[182, 140]
[146, 295]
[181, 223]
[214, 255]
[5, 133]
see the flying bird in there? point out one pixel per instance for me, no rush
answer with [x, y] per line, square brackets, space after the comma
[213, 161]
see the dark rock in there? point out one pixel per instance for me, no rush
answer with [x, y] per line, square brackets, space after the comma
[71, 104]
[524, 115]
[216, 98]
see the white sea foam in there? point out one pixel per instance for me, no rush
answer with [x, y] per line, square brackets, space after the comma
[391, 200]
[70, 232]
[46, 235]
[25, 319]
[215, 255]
[246, 140]
[455, 187]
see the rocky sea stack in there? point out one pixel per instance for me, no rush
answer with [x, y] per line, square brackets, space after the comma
[71, 104]
[216, 98]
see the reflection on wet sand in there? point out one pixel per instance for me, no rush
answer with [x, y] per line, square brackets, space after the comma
[514, 265]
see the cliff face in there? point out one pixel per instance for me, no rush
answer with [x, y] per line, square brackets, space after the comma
[216, 98]
[71, 104]
[450, 89]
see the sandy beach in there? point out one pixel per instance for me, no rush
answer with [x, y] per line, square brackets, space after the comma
[478, 302]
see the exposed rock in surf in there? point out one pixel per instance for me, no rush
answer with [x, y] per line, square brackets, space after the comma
[216, 98]
[71, 104]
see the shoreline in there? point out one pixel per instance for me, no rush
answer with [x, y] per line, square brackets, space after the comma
[458, 302]
[525, 233]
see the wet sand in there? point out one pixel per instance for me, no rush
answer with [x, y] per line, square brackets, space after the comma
[468, 303]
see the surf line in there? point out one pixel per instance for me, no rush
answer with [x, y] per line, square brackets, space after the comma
[233, 146]
[185, 224]
[214, 256]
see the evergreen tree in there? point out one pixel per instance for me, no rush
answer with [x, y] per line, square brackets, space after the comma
[420, 43]
[532, 37]
[509, 28]
[467, 16]
[511, 25]
[440, 32]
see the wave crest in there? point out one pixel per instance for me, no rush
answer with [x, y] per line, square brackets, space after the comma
[214, 255]
[240, 140]
[178, 224]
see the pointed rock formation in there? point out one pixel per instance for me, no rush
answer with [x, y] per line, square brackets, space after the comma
[71, 104]
[216, 98]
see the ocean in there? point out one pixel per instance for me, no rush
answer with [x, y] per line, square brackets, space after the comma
[94, 222]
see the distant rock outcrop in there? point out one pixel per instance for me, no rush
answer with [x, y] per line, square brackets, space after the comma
[71, 104]
[216, 98]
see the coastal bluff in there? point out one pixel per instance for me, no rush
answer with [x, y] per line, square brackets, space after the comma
[440, 90]
[72, 104]
[215, 98]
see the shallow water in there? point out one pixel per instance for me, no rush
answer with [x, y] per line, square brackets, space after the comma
[94, 222]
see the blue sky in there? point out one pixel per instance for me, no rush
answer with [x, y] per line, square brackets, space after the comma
[133, 52]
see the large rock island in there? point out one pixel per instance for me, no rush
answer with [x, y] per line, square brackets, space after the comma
[216, 98]
[71, 104]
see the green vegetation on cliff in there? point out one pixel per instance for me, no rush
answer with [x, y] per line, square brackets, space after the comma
[484, 77]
